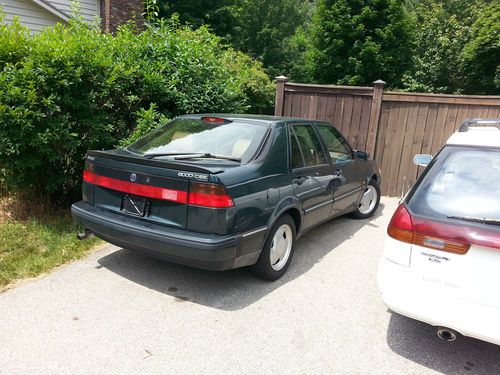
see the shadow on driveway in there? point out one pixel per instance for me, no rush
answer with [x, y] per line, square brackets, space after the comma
[419, 343]
[234, 289]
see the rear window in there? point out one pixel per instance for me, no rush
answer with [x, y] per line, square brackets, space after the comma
[462, 182]
[184, 135]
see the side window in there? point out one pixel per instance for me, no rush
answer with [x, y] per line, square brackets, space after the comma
[297, 160]
[305, 146]
[337, 146]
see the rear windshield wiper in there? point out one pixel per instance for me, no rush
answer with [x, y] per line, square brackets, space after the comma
[155, 155]
[476, 219]
[207, 155]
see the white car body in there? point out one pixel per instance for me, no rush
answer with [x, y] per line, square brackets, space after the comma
[442, 288]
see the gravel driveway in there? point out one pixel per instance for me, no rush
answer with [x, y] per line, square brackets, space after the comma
[117, 312]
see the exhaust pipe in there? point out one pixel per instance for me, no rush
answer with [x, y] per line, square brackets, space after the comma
[446, 334]
[84, 235]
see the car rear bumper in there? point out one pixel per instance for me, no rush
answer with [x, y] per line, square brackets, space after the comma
[407, 295]
[212, 252]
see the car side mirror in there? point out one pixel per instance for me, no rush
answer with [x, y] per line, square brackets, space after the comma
[422, 159]
[361, 155]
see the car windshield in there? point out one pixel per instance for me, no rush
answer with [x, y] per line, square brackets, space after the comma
[200, 138]
[466, 184]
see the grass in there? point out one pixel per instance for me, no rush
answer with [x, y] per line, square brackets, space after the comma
[35, 245]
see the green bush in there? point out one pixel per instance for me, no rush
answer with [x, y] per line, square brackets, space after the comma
[147, 121]
[73, 88]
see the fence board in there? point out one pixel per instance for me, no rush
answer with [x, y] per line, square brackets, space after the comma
[339, 105]
[405, 170]
[493, 112]
[346, 116]
[364, 124]
[389, 144]
[380, 146]
[296, 106]
[397, 148]
[405, 125]
[439, 126]
[356, 118]
[330, 109]
[313, 107]
[322, 104]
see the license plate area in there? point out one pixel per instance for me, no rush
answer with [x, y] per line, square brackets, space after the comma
[134, 205]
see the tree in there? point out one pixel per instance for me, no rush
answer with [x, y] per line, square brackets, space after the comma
[263, 28]
[218, 14]
[358, 41]
[481, 55]
[260, 28]
[444, 28]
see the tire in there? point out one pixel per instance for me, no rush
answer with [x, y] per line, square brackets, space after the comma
[369, 201]
[278, 250]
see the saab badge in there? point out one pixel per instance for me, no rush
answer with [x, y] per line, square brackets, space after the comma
[133, 177]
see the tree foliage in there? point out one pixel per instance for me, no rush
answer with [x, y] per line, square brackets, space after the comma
[358, 41]
[263, 29]
[217, 14]
[481, 55]
[444, 28]
[260, 28]
[69, 89]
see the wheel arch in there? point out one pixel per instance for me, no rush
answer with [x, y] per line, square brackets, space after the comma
[288, 207]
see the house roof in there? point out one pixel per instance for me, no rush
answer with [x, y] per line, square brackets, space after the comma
[52, 9]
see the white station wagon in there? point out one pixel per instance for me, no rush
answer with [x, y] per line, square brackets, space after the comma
[441, 262]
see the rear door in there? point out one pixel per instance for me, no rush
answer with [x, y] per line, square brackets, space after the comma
[346, 171]
[311, 174]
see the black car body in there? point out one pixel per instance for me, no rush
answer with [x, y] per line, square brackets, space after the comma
[215, 206]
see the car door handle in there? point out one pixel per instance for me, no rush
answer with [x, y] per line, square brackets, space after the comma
[299, 180]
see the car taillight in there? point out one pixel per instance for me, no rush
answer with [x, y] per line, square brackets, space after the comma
[208, 195]
[200, 194]
[428, 233]
[440, 236]
[142, 190]
[401, 225]
[215, 120]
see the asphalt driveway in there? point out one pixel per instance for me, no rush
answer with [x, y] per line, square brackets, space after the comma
[118, 312]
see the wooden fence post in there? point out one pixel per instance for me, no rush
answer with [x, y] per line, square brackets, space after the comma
[371, 141]
[280, 95]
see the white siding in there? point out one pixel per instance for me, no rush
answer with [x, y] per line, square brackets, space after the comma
[36, 18]
[30, 14]
[89, 9]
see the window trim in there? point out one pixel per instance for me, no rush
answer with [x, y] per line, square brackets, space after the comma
[292, 132]
[353, 157]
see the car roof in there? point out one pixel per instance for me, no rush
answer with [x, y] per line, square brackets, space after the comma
[477, 132]
[262, 119]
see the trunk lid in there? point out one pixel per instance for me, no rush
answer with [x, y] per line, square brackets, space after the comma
[152, 190]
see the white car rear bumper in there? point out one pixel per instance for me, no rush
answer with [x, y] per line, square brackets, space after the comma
[412, 296]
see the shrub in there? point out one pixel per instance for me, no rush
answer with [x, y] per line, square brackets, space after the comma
[69, 89]
[147, 121]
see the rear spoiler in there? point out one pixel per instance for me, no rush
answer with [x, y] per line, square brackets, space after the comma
[155, 163]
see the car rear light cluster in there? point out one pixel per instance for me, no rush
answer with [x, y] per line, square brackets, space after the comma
[427, 233]
[200, 194]
[142, 190]
[454, 238]
[208, 195]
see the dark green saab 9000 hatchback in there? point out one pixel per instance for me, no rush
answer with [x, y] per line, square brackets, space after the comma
[225, 191]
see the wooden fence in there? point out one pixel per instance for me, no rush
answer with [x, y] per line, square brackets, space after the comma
[390, 126]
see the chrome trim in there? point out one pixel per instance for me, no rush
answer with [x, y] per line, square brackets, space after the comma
[309, 191]
[348, 193]
[330, 201]
[253, 232]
